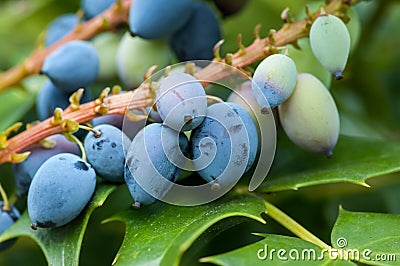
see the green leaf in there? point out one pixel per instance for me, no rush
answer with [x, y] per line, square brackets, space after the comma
[61, 246]
[355, 160]
[294, 251]
[159, 234]
[17, 101]
[375, 236]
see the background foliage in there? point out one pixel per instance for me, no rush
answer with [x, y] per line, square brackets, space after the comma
[368, 152]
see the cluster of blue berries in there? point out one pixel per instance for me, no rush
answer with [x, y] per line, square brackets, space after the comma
[59, 176]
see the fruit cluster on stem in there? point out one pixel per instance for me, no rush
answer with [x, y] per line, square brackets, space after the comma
[142, 97]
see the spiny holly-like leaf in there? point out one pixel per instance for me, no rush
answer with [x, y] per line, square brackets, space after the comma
[295, 251]
[61, 246]
[159, 234]
[375, 235]
[354, 161]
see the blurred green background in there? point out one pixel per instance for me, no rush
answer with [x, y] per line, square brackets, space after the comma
[368, 100]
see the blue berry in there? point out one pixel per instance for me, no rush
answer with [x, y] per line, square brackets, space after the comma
[230, 7]
[92, 8]
[25, 171]
[147, 160]
[7, 218]
[60, 190]
[106, 153]
[196, 40]
[251, 131]
[72, 66]
[60, 27]
[50, 97]
[115, 120]
[140, 196]
[221, 121]
[158, 19]
[181, 101]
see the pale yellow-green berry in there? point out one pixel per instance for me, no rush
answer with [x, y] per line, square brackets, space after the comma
[330, 43]
[135, 56]
[310, 117]
[106, 44]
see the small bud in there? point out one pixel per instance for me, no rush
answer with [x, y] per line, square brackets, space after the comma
[242, 48]
[75, 99]
[57, 118]
[229, 59]
[257, 32]
[116, 89]
[19, 157]
[190, 68]
[47, 144]
[104, 93]
[69, 126]
[101, 109]
[216, 50]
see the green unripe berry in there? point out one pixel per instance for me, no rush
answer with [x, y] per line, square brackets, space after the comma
[135, 56]
[330, 43]
[353, 25]
[310, 117]
[106, 45]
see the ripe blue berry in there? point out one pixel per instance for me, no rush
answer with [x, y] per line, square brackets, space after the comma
[72, 66]
[181, 101]
[222, 124]
[50, 97]
[196, 40]
[92, 8]
[158, 19]
[106, 152]
[25, 171]
[60, 27]
[60, 190]
[147, 161]
[231, 7]
[7, 218]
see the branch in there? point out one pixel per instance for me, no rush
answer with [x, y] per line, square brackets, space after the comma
[142, 97]
[116, 15]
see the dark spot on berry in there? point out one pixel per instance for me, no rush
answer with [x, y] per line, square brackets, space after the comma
[81, 166]
[113, 145]
[62, 158]
[99, 144]
[45, 224]
[229, 114]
